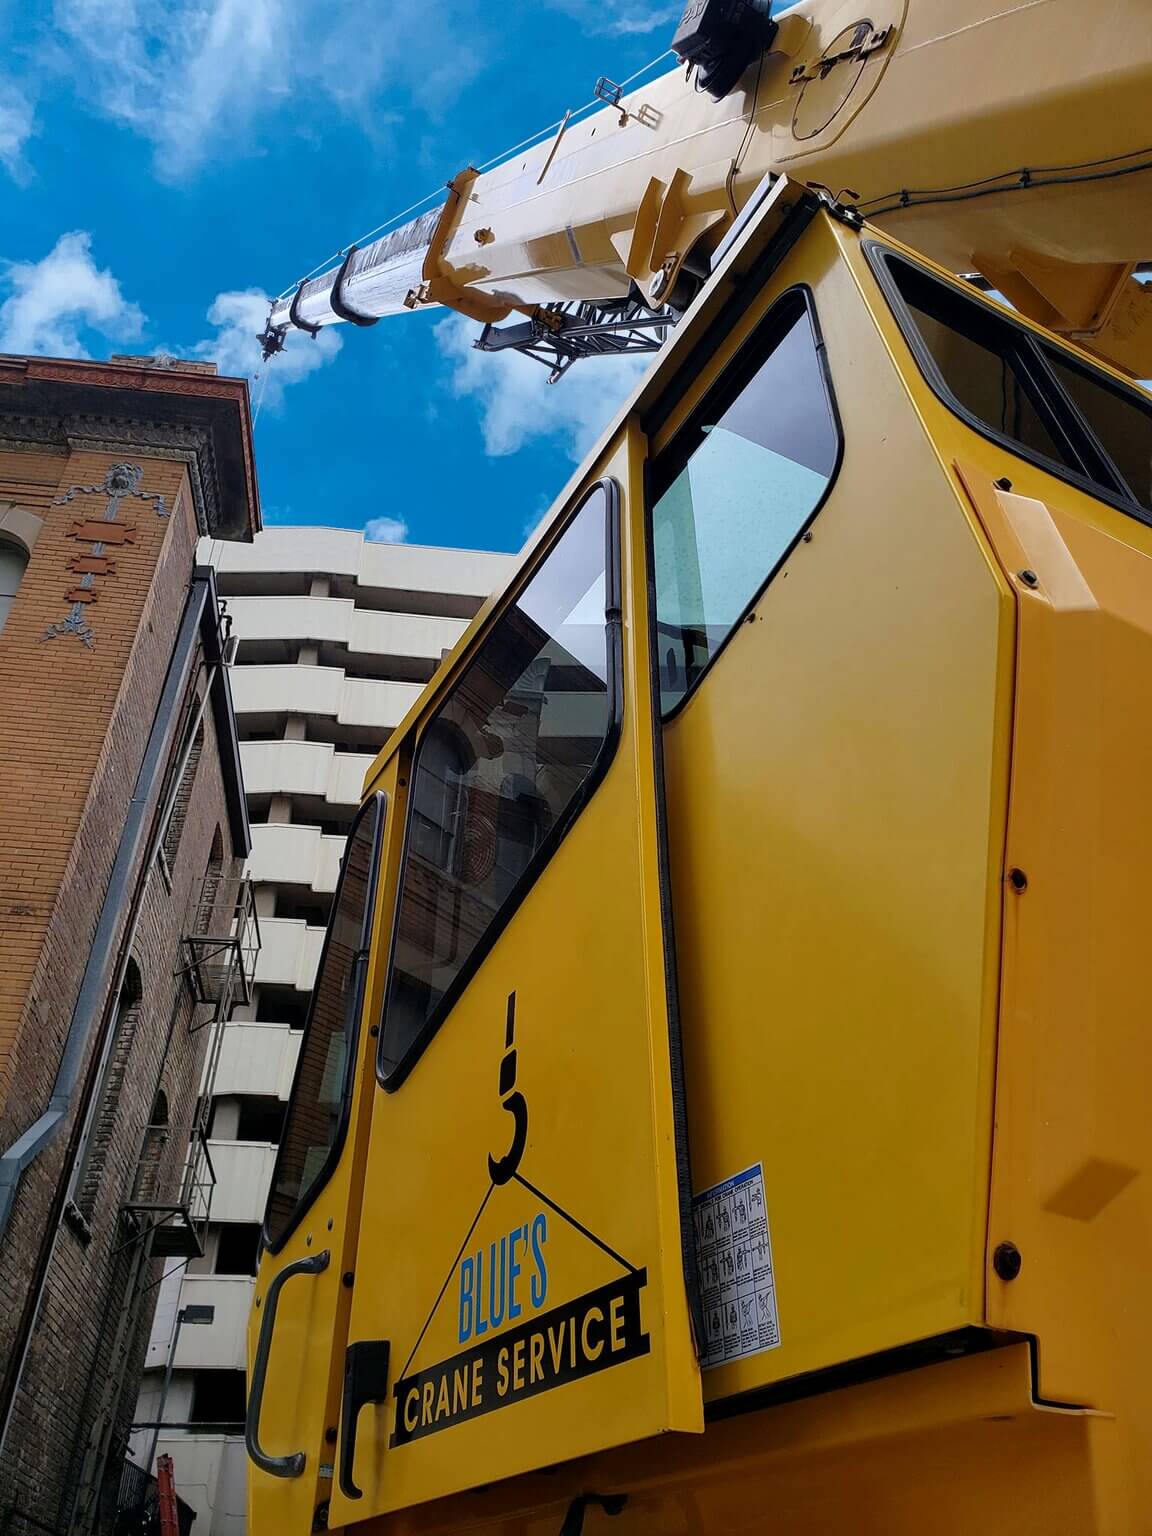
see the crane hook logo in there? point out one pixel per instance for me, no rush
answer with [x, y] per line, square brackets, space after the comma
[502, 1170]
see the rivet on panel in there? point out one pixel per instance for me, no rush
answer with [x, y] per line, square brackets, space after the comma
[1007, 1261]
[1018, 880]
[308, 1241]
[1030, 578]
[1004, 484]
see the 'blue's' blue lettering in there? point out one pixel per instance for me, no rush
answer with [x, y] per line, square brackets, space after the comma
[502, 1290]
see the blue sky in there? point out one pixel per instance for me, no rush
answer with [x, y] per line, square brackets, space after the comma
[165, 163]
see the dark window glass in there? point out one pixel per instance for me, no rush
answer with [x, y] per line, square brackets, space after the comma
[498, 769]
[1122, 422]
[259, 1119]
[316, 1112]
[734, 491]
[1046, 401]
[282, 1005]
[237, 1248]
[988, 381]
[218, 1398]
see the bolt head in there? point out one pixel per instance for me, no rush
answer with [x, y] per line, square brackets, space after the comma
[1008, 1261]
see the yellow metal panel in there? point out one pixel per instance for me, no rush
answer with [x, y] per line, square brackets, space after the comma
[951, 1450]
[584, 957]
[305, 1372]
[1074, 1137]
[837, 794]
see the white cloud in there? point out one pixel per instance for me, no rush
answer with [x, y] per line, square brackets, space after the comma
[196, 76]
[17, 125]
[619, 17]
[516, 401]
[235, 349]
[386, 530]
[51, 302]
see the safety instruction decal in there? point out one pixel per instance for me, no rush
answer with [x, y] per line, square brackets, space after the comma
[734, 1255]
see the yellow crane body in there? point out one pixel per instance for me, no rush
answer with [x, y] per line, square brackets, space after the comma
[725, 1102]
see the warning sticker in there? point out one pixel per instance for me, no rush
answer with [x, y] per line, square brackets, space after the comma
[734, 1254]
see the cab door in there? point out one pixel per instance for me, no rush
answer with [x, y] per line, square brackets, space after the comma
[520, 1294]
[300, 1313]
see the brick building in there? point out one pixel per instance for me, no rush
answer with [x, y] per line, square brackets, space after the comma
[127, 935]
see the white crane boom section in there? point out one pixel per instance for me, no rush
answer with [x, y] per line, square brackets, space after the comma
[1007, 138]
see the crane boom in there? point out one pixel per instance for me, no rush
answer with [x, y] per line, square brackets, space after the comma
[996, 137]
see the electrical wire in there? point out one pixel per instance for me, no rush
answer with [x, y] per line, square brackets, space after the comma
[1023, 179]
[504, 155]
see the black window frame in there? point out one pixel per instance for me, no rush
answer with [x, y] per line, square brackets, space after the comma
[393, 1076]
[352, 1021]
[662, 470]
[1059, 411]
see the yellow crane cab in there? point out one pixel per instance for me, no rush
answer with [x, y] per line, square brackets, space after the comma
[724, 1106]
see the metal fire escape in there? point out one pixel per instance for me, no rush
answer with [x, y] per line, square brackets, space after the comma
[165, 1214]
[171, 1200]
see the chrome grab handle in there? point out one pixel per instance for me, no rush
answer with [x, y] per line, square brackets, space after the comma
[275, 1466]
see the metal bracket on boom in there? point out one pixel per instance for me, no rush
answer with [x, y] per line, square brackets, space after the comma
[559, 335]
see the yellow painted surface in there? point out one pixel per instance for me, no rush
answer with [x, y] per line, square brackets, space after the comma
[592, 1044]
[306, 1364]
[952, 1450]
[836, 798]
[926, 1063]
[1074, 1138]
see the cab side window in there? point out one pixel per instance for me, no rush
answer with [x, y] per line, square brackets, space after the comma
[736, 489]
[500, 772]
[1040, 400]
[318, 1110]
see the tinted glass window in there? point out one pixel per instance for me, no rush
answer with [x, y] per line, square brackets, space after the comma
[1044, 400]
[1121, 422]
[497, 772]
[734, 492]
[987, 379]
[316, 1111]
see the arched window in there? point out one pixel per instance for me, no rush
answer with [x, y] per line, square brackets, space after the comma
[13, 563]
[182, 799]
[148, 1172]
[100, 1130]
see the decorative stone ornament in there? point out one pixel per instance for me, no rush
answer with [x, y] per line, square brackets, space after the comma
[121, 481]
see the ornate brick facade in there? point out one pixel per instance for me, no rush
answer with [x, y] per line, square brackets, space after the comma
[119, 792]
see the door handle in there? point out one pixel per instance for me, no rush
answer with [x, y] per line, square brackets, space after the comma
[275, 1466]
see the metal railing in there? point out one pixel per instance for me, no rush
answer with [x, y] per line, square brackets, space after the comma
[222, 939]
[175, 1201]
[138, 1505]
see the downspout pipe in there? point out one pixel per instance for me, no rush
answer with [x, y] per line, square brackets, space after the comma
[102, 957]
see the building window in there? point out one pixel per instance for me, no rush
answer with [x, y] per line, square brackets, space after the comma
[13, 564]
[282, 1005]
[247, 1117]
[178, 813]
[100, 1130]
[735, 491]
[501, 771]
[318, 1110]
[218, 1401]
[238, 1248]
